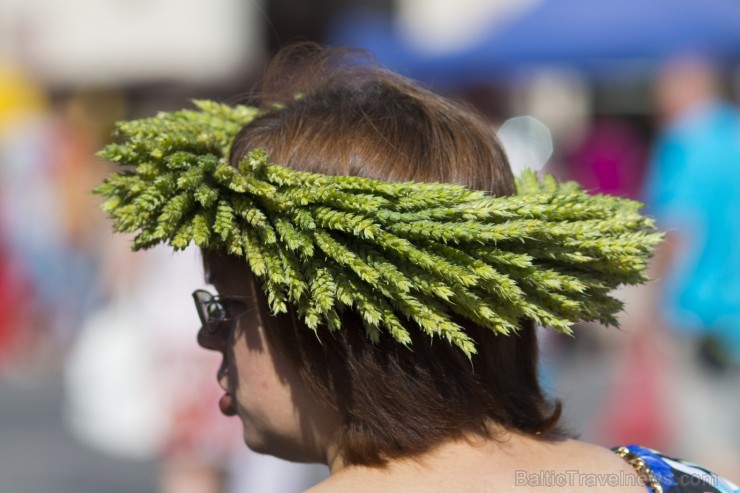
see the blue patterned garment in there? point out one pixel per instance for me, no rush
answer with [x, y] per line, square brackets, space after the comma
[671, 475]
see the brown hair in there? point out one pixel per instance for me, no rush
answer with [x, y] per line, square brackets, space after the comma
[351, 119]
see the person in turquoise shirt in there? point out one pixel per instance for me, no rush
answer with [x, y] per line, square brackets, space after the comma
[693, 190]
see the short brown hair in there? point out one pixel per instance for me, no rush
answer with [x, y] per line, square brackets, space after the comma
[339, 116]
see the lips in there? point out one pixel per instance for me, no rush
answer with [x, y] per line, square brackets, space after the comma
[227, 405]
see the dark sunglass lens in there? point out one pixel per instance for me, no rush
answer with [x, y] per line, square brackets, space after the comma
[213, 311]
[216, 311]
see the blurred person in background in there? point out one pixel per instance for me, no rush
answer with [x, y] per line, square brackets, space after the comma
[610, 158]
[23, 104]
[693, 190]
[49, 237]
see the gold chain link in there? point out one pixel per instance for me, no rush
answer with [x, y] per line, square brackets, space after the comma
[641, 468]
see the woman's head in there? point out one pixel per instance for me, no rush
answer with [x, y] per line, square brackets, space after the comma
[381, 400]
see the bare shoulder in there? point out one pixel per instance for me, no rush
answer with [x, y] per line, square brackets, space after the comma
[354, 482]
[323, 487]
[585, 454]
[596, 467]
[524, 466]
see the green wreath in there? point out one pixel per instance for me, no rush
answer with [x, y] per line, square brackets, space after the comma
[391, 251]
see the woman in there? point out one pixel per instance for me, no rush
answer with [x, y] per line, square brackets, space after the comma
[346, 373]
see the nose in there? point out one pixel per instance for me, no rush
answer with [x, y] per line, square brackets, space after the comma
[215, 341]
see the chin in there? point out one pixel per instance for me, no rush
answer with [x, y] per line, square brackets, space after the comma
[282, 447]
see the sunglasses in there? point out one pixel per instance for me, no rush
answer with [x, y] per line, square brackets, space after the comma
[218, 313]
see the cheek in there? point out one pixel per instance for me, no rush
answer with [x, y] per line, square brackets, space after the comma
[254, 378]
[255, 381]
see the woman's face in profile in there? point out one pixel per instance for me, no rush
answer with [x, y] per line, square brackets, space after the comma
[261, 386]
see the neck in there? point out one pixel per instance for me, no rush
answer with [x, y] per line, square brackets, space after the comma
[334, 458]
[460, 451]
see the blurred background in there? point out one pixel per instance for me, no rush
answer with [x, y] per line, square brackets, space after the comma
[101, 385]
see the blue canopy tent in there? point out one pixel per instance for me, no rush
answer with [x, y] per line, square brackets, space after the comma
[591, 35]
